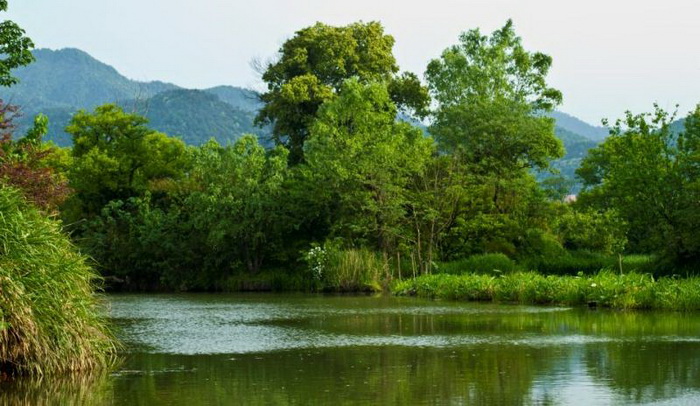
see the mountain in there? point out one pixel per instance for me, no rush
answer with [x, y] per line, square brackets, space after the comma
[61, 82]
[72, 78]
[195, 116]
[242, 99]
[580, 127]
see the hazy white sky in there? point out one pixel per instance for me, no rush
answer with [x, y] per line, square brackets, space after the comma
[609, 55]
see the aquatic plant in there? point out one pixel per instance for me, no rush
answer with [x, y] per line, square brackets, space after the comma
[50, 318]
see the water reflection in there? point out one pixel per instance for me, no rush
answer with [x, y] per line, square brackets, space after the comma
[293, 349]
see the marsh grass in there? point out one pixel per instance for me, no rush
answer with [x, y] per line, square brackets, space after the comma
[354, 270]
[604, 289]
[50, 318]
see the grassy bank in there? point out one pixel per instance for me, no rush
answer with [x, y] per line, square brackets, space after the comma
[605, 289]
[50, 321]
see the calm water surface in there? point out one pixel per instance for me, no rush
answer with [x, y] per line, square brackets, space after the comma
[273, 349]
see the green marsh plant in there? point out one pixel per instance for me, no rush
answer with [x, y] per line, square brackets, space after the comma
[51, 321]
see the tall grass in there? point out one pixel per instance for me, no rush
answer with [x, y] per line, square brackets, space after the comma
[605, 289]
[354, 270]
[50, 318]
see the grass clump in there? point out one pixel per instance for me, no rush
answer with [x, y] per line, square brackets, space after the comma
[346, 270]
[604, 289]
[50, 320]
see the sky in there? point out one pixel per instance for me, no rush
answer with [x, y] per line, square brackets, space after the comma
[609, 55]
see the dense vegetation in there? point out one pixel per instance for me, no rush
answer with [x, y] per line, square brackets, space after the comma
[353, 193]
[50, 321]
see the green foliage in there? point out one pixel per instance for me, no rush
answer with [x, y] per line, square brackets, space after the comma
[241, 202]
[313, 67]
[227, 218]
[50, 320]
[605, 289]
[488, 90]
[360, 160]
[648, 174]
[492, 68]
[115, 156]
[15, 49]
[594, 231]
[346, 270]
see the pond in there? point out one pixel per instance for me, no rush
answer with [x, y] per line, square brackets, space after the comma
[199, 349]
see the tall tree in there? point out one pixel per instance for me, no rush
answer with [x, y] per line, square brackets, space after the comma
[361, 161]
[15, 49]
[490, 94]
[312, 68]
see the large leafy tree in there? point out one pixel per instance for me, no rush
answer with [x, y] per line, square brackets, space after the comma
[490, 96]
[15, 49]
[360, 161]
[116, 156]
[649, 175]
[312, 67]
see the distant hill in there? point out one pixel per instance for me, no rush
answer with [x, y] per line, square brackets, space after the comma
[195, 116]
[580, 127]
[62, 82]
[72, 78]
[242, 99]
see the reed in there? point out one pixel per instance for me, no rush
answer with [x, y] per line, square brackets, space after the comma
[354, 270]
[51, 321]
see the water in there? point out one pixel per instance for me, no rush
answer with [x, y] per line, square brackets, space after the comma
[271, 349]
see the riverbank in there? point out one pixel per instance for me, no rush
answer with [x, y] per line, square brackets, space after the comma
[604, 289]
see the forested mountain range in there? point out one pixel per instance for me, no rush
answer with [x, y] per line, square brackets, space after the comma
[63, 81]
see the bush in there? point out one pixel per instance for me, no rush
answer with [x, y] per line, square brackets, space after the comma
[50, 319]
[483, 263]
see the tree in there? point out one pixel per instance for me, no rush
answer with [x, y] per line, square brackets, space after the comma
[240, 207]
[490, 98]
[490, 93]
[312, 68]
[361, 161]
[15, 49]
[492, 68]
[117, 157]
[29, 165]
[649, 175]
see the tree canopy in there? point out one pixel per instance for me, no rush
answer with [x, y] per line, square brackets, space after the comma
[312, 67]
[490, 94]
